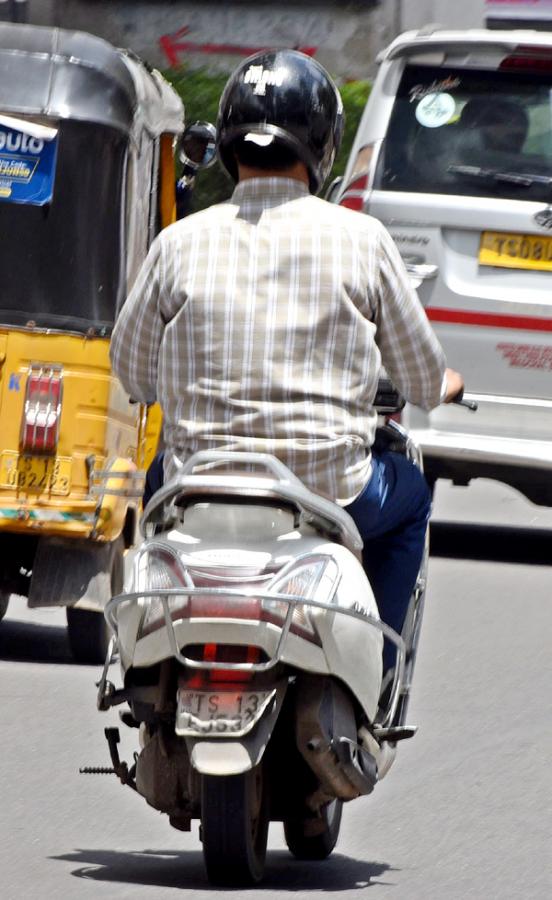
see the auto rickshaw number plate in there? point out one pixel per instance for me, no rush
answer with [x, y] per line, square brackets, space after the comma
[35, 474]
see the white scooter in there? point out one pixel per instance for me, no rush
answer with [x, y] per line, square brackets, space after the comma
[251, 651]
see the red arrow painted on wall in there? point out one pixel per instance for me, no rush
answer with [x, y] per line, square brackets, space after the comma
[173, 46]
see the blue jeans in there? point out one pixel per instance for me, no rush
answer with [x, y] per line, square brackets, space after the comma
[391, 514]
[154, 477]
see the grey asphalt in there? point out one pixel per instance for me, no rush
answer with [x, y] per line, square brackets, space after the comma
[466, 812]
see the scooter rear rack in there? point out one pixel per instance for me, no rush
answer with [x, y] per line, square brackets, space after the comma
[291, 600]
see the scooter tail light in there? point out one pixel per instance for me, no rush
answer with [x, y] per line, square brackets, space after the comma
[42, 409]
[221, 653]
[308, 580]
[160, 571]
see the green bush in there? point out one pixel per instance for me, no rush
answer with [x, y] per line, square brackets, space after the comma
[200, 92]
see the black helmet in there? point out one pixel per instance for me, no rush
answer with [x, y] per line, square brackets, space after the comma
[289, 97]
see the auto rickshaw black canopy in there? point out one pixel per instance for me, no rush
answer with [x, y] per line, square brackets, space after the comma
[63, 260]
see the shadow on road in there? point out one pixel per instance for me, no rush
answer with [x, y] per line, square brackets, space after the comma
[26, 642]
[491, 542]
[186, 870]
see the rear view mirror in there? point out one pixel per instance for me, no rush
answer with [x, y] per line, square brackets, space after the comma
[198, 145]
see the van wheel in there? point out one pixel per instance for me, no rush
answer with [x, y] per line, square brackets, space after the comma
[234, 827]
[314, 846]
[88, 632]
[4, 600]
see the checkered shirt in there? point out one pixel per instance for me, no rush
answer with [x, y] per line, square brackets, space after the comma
[261, 324]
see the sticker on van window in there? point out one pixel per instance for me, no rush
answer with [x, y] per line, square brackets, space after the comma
[436, 87]
[435, 110]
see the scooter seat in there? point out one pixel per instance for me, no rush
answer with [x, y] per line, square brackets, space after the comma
[279, 484]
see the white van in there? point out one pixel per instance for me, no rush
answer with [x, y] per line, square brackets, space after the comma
[454, 156]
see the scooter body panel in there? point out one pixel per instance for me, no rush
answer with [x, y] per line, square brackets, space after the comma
[215, 536]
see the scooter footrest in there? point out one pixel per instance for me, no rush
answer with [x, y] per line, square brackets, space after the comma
[395, 733]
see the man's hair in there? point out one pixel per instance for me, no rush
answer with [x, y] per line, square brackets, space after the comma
[276, 156]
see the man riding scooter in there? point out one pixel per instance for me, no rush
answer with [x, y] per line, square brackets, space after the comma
[262, 324]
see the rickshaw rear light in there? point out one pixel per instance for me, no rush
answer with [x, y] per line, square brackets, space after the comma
[42, 411]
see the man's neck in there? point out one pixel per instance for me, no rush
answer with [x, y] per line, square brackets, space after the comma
[298, 172]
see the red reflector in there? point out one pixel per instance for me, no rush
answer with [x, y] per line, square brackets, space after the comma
[353, 198]
[207, 607]
[41, 414]
[230, 653]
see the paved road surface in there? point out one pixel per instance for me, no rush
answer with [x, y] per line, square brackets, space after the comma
[465, 813]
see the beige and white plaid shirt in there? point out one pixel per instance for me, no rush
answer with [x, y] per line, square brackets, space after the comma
[261, 324]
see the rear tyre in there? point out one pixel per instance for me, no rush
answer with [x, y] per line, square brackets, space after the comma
[314, 846]
[88, 632]
[234, 827]
[4, 600]
[88, 635]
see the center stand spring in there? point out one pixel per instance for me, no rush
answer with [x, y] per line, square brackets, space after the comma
[119, 768]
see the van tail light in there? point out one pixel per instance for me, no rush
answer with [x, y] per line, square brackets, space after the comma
[359, 180]
[42, 410]
[529, 59]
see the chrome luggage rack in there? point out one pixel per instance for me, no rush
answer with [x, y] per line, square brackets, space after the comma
[277, 482]
[292, 601]
[129, 484]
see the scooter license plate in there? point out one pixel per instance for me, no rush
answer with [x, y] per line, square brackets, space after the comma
[219, 713]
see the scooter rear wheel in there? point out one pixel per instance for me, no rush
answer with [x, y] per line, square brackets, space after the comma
[314, 846]
[234, 827]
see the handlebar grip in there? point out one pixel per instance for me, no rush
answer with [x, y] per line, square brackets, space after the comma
[469, 404]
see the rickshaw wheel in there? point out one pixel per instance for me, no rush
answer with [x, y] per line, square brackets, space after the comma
[4, 600]
[88, 632]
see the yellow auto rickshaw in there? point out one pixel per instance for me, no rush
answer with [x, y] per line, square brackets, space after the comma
[87, 141]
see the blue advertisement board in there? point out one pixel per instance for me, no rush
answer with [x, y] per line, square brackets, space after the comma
[27, 162]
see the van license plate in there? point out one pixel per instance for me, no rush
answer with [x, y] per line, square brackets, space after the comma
[515, 251]
[35, 474]
[219, 713]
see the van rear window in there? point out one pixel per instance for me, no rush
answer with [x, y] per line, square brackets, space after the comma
[470, 132]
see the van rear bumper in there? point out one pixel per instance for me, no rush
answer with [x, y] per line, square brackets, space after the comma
[523, 464]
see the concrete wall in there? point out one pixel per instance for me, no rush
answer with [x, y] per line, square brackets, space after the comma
[345, 36]
[450, 13]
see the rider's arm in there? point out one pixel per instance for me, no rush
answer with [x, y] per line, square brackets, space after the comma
[138, 332]
[410, 351]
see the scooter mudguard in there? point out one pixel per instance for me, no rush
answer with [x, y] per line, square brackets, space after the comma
[225, 756]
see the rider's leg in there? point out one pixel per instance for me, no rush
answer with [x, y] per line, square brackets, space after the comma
[154, 477]
[392, 514]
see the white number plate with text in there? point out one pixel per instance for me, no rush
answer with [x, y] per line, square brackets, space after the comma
[219, 713]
